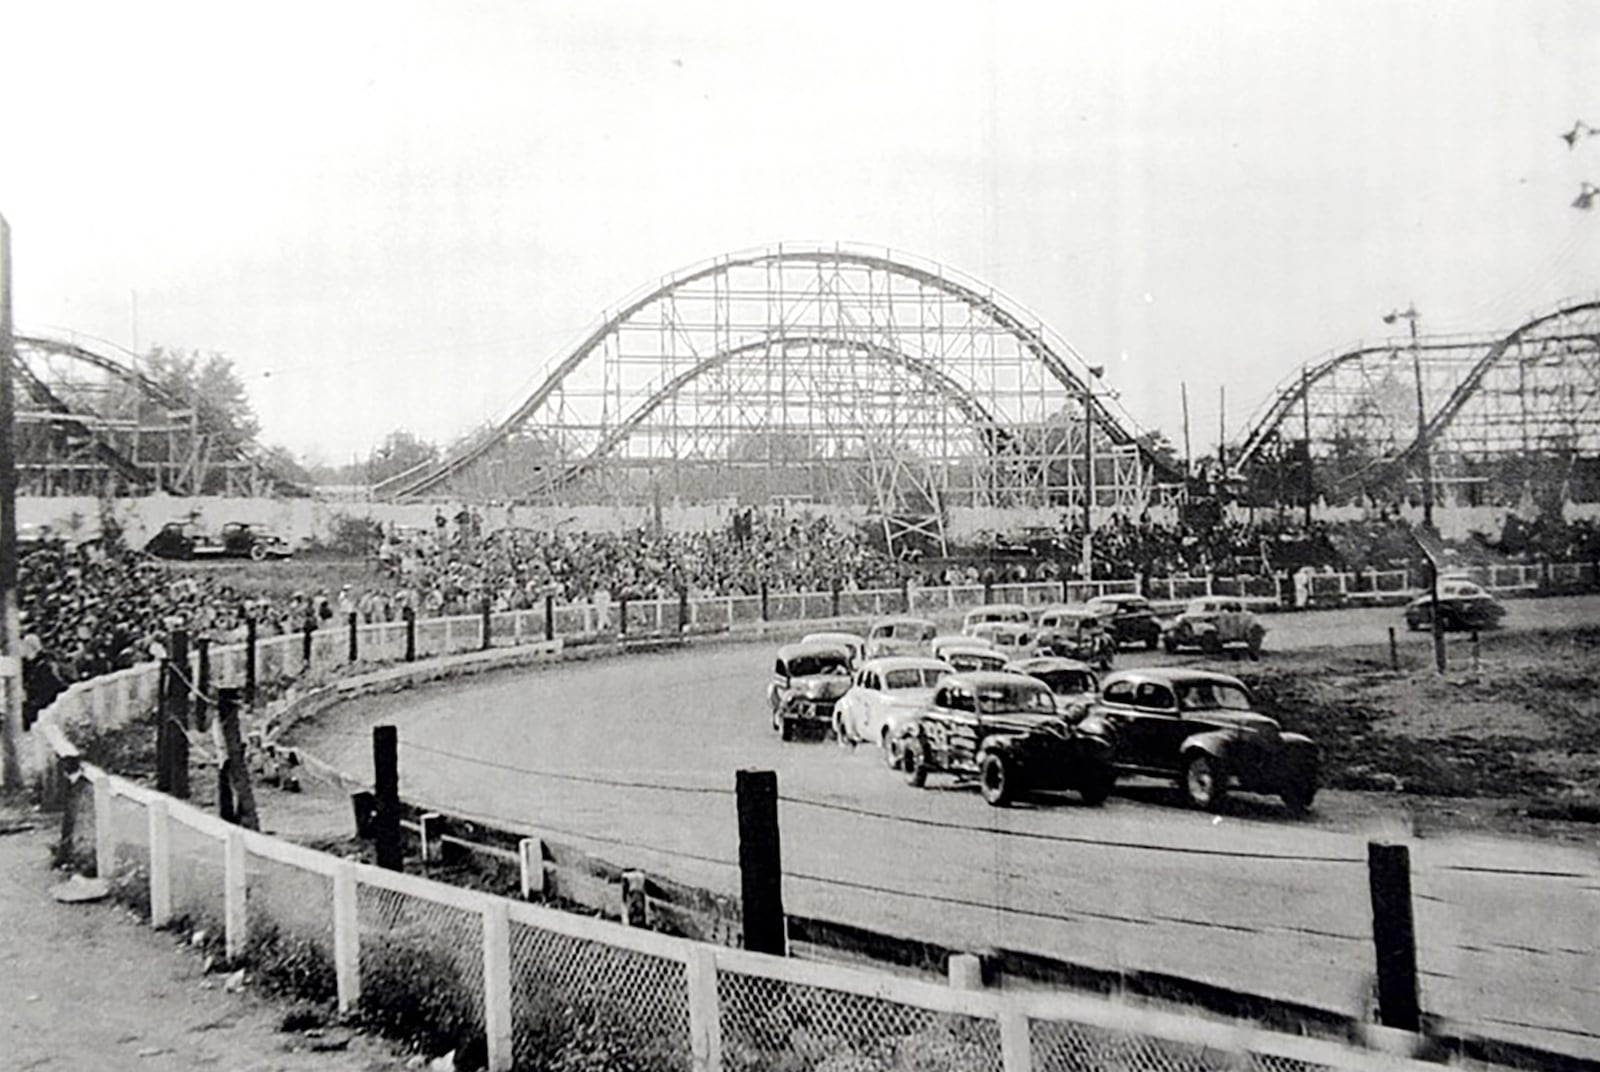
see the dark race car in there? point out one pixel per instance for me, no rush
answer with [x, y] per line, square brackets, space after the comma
[237, 539]
[1005, 731]
[807, 681]
[1200, 729]
[1128, 618]
[1462, 605]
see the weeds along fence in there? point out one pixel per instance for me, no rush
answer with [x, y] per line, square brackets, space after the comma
[532, 985]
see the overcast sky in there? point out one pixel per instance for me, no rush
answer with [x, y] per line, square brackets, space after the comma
[394, 214]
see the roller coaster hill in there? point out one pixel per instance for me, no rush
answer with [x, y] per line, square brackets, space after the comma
[903, 392]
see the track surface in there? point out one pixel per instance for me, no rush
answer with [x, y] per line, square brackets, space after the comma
[1253, 899]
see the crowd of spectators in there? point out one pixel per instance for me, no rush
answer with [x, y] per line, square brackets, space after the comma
[97, 607]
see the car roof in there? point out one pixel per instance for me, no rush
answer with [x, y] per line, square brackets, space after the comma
[906, 662]
[1071, 612]
[1045, 663]
[999, 608]
[961, 642]
[1119, 597]
[796, 651]
[902, 619]
[980, 678]
[833, 638]
[1169, 676]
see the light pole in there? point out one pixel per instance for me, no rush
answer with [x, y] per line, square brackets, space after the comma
[1096, 372]
[1410, 315]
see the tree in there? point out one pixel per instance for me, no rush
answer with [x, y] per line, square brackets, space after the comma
[209, 384]
[399, 451]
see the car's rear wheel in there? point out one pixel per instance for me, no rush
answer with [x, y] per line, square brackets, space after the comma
[1204, 783]
[1212, 643]
[785, 728]
[1171, 644]
[258, 552]
[996, 781]
[891, 753]
[1151, 641]
[844, 739]
[1299, 796]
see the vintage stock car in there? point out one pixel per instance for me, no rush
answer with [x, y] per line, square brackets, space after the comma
[1128, 618]
[1005, 731]
[885, 692]
[1200, 729]
[807, 681]
[1215, 624]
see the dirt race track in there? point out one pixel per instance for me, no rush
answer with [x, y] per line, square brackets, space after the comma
[635, 759]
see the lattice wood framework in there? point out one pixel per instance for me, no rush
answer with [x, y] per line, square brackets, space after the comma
[1508, 415]
[90, 423]
[829, 374]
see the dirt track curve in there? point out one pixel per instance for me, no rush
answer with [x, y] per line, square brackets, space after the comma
[1251, 899]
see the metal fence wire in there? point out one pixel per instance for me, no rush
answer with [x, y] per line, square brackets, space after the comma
[1060, 1046]
[614, 1005]
[773, 1023]
[420, 960]
[290, 911]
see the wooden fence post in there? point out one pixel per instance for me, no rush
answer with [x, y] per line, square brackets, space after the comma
[105, 835]
[834, 588]
[409, 615]
[305, 643]
[683, 609]
[237, 768]
[965, 971]
[160, 836]
[386, 788]
[487, 637]
[760, 863]
[1393, 935]
[1394, 651]
[530, 861]
[705, 1013]
[202, 715]
[622, 616]
[235, 896]
[346, 937]
[352, 623]
[905, 594]
[549, 617]
[250, 662]
[497, 984]
[765, 616]
[172, 731]
[635, 912]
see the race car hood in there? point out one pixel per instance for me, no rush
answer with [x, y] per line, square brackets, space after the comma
[1023, 722]
[822, 687]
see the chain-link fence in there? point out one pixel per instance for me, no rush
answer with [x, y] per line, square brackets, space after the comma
[537, 987]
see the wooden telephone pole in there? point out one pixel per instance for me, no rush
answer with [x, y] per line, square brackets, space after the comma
[10, 660]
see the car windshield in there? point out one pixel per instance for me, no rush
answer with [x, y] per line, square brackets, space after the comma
[1031, 698]
[817, 665]
[912, 677]
[1068, 682]
[1212, 696]
[975, 660]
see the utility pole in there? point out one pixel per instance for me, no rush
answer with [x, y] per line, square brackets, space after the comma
[1095, 372]
[1411, 316]
[1305, 421]
[1183, 393]
[10, 660]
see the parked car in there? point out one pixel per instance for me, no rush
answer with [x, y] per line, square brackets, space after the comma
[994, 612]
[1011, 639]
[236, 539]
[1128, 618]
[807, 681]
[1201, 729]
[1462, 605]
[968, 653]
[1214, 624]
[900, 635]
[1071, 680]
[884, 692]
[855, 643]
[1076, 633]
[1005, 731]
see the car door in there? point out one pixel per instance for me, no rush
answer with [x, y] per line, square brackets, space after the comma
[1148, 728]
[951, 729]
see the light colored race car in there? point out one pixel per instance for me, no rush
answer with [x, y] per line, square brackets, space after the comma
[885, 691]
[1071, 680]
[1215, 624]
[854, 643]
[995, 612]
[1014, 640]
[807, 681]
[968, 653]
[900, 635]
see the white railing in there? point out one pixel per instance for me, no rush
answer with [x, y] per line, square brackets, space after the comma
[530, 980]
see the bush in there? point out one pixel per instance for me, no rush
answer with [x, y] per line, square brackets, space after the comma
[289, 964]
[412, 989]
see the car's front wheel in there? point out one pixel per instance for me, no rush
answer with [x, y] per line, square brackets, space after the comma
[258, 552]
[914, 761]
[891, 751]
[1171, 644]
[1097, 785]
[997, 782]
[840, 734]
[1204, 783]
